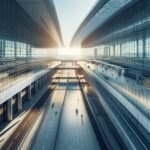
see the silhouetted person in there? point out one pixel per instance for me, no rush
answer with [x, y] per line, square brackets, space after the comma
[76, 110]
[55, 113]
[82, 119]
[53, 105]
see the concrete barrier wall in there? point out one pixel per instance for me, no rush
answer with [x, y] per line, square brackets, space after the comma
[100, 136]
[141, 122]
[115, 121]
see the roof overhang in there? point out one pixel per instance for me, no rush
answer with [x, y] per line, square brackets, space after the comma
[110, 9]
[43, 13]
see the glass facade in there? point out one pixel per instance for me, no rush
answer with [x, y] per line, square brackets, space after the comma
[22, 44]
[125, 39]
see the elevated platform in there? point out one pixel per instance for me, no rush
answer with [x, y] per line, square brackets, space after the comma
[66, 130]
[67, 67]
[118, 68]
[24, 81]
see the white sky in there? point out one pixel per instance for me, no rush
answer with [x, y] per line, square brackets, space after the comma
[71, 13]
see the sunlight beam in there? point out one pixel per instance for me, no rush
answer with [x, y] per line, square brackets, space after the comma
[69, 51]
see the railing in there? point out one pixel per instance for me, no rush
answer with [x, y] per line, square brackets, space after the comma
[19, 72]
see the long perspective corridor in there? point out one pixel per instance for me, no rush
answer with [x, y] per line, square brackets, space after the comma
[74, 75]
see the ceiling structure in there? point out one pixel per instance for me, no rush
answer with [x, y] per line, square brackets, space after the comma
[103, 11]
[43, 12]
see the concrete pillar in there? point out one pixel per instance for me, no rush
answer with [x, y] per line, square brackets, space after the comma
[95, 52]
[137, 46]
[40, 83]
[9, 110]
[15, 48]
[120, 50]
[29, 92]
[109, 51]
[43, 80]
[36, 85]
[144, 45]
[114, 52]
[19, 101]
[105, 52]
[30, 52]
[2, 48]
[47, 77]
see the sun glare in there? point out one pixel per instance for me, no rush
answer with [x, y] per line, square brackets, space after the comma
[69, 51]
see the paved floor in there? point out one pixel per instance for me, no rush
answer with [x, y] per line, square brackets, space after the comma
[45, 138]
[75, 132]
[71, 132]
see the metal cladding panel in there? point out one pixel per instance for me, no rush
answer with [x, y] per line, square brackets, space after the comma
[111, 8]
[17, 25]
[95, 9]
[44, 14]
[126, 26]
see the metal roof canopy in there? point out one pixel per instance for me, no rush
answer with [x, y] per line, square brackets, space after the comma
[43, 12]
[109, 9]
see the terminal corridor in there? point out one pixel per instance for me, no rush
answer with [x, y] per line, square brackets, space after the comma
[74, 74]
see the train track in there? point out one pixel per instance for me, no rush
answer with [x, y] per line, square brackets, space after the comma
[139, 141]
[17, 137]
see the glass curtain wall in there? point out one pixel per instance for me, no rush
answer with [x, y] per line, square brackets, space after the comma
[21, 41]
[126, 38]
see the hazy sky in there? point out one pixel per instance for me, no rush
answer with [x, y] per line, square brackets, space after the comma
[71, 13]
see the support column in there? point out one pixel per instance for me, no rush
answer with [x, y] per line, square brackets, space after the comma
[105, 53]
[30, 52]
[144, 45]
[9, 110]
[137, 45]
[120, 50]
[40, 83]
[19, 101]
[29, 92]
[36, 85]
[2, 49]
[114, 52]
[95, 52]
[27, 52]
[47, 77]
[15, 47]
[109, 51]
[45, 80]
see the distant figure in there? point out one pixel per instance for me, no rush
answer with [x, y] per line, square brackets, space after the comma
[53, 105]
[55, 113]
[76, 110]
[82, 119]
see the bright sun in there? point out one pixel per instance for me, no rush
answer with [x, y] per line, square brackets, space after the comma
[69, 51]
